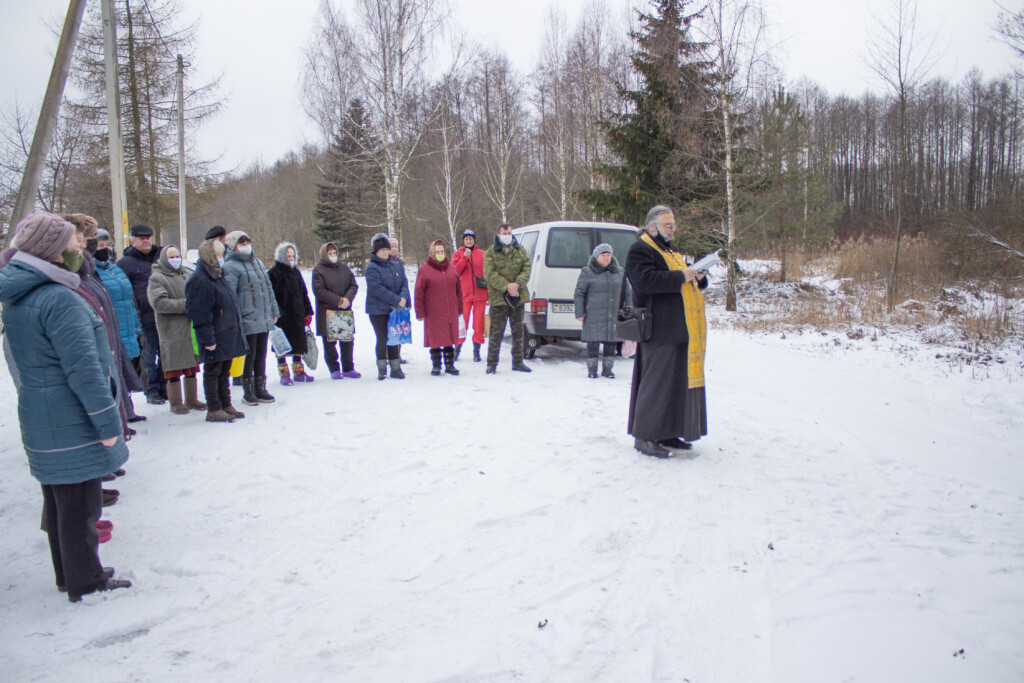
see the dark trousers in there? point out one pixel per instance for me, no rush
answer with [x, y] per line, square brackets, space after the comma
[380, 328]
[514, 317]
[217, 384]
[331, 353]
[594, 347]
[156, 384]
[71, 511]
[256, 359]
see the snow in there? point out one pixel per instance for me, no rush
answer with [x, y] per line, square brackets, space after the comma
[853, 515]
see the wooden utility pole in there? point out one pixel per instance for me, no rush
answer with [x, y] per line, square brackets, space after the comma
[48, 114]
[182, 220]
[118, 192]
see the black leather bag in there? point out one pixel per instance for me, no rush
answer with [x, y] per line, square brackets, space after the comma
[632, 324]
[481, 282]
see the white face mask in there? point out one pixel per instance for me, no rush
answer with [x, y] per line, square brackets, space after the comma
[291, 262]
[333, 258]
[247, 249]
[174, 262]
[505, 239]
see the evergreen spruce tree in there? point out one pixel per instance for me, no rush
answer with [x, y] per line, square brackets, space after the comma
[663, 138]
[349, 202]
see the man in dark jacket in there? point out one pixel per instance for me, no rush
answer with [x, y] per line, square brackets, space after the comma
[506, 269]
[137, 264]
[666, 402]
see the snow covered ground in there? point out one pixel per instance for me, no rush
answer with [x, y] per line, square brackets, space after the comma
[855, 514]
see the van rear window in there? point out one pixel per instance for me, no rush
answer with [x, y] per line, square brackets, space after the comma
[569, 247]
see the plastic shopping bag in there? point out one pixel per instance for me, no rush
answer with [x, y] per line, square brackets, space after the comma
[399, 327]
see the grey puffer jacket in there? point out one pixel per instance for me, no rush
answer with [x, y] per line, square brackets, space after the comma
[246, 274]
[597, 300]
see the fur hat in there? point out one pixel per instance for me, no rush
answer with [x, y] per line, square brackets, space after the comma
[379, 241]
[232, 238]
[44, 235]
[215, 232]
[141, 230]
[601, 249]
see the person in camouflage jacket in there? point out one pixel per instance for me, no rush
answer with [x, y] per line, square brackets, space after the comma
[506, 269]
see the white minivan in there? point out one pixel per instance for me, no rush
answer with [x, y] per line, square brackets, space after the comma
[558, 250]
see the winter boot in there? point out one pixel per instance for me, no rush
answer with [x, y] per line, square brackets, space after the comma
[592, 368]
[606, 367]
[491, 369]
[178, 407]
[236, 381]
[237, 414]
[382, 369]
[435, 359]
[286, 375]
[300, 372]
[449, 361]
[396, 368]
[260, 389]
[249, 392]
[192, 394]
[520, 366]
[476, 352]
[458, 351]
[219, 416]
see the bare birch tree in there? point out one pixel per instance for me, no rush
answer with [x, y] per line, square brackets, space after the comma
[499, 124]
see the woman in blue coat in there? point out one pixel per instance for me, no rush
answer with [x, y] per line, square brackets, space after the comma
[67, 402]
[212, 306]
[387, 289]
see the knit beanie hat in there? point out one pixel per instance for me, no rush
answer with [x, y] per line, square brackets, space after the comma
[44, 235]
[379, 241]
[232, 239]
[601, 249]
[102, 234]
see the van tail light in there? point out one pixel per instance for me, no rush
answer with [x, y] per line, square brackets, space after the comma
[538, 305]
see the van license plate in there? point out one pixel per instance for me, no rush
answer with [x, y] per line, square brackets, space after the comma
[563, 308]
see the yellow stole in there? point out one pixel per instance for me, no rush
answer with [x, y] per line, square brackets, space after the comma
[696, 323]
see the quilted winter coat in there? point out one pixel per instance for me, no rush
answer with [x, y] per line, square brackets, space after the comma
[438, 303]
[246, 274]
[469, 268]
[67, 402]
[120, 288]
[212, 306]
[386, 284]
[331, 282]
[138, 267]
[292, 298]
[167, 297]
[597, 299]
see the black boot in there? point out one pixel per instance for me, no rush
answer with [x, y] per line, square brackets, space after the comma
[520, 366]
[449, 361]
[592, 368]
[260, 389]
[458, 351]
[476, 352]
[249, 392]
[382, 369]
[606, 367]
[435, 359]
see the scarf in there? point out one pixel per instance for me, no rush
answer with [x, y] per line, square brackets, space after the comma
[696, 323]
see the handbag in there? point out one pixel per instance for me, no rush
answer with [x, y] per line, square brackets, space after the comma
[312, 355]
[341, 326]
[632, 323]
[279, 342]
[481, 282]
[399, 327]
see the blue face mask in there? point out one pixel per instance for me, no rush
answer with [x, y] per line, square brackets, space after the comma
[220, 261]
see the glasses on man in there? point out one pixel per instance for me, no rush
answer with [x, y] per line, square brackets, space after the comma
[667, 225]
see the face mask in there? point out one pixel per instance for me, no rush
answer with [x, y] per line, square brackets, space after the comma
[220, 261]
[291, 262]
[439, 257]
[72, 260]
[333, 258]
[247, 249]
[102, 254]
[174, 262]
[90, 245]
[505, 239]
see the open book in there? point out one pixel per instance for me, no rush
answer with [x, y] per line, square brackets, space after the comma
[705, 263]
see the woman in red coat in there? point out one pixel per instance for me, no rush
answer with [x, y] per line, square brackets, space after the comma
[438, 302]
[469, 264]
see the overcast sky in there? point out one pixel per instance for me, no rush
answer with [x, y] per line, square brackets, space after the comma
[257, 45]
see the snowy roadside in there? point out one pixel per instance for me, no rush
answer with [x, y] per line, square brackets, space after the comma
[853, 514]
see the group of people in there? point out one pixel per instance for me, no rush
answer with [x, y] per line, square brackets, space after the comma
[82, 330]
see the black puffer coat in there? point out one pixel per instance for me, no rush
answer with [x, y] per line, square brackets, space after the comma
[138, 267]
[212, 306]
[292, 297]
